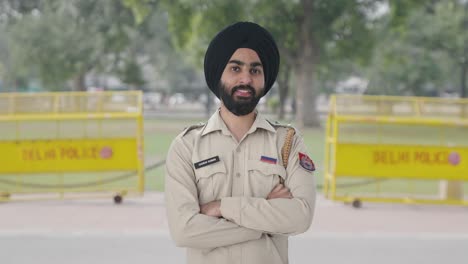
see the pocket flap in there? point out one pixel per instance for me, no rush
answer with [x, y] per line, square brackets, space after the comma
[266, 168]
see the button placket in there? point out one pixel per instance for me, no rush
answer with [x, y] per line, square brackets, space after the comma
[237, 181]
[242, 167]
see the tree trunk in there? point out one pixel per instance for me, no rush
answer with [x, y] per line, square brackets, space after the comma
[283, 88]
[79, 82]
[311, 118]
[78, 86]
[464, 68]
[209, 103]
[306, 113]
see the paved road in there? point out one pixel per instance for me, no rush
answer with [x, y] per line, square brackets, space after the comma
[102, 248]
[97, 231]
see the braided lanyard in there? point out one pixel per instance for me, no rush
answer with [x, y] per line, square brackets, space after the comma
[286, 149]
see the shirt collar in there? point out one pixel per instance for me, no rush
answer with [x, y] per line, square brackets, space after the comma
[216, 123]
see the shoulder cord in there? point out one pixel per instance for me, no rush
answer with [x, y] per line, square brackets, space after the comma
[286, 149]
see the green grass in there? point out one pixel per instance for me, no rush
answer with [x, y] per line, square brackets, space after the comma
[159, 133]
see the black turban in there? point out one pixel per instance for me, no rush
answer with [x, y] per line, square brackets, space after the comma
[241, 35]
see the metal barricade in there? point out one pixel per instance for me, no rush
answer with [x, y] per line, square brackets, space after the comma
[397, 149]
[71, 145]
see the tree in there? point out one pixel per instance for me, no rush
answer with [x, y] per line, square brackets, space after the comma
[447, 33]
[308, 32]
[65, 40]
[420, 49]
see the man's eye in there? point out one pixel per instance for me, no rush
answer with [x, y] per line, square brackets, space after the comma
[235, 68]
[255, 71]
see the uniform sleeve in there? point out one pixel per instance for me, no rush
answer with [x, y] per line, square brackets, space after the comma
[278, 216]
[187, 226]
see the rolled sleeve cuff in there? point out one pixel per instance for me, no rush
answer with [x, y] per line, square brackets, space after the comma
[231, 208]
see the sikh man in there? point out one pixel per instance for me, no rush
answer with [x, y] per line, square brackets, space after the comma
[230, 197]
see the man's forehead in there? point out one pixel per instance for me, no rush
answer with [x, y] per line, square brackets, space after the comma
[244, 54]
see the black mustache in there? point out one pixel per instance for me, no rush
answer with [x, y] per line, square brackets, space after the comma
[243, 87]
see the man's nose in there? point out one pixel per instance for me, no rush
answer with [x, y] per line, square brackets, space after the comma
[245, 78]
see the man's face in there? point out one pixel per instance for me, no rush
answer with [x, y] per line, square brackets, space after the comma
[242, 82]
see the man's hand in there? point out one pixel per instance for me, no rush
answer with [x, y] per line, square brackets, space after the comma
[280, 191]
[211, 209]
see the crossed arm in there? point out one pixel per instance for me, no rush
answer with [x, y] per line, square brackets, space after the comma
[214, 208]
[233, 220]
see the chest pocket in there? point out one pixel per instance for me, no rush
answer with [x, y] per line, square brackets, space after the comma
[263, 177]
[209, 181]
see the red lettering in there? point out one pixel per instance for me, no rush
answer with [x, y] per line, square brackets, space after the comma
[27, 154]
[37, 154]
[74, 153]
[50, 154]
[68, 153]
[390, 157]
[441, 157]
[94, 152]
[88, 153]
[63, 153]
[428, 158]
[420, 157]
[380, 157]
[405, 156]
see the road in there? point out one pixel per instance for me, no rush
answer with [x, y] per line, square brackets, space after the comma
[101, 248]
[96, 231]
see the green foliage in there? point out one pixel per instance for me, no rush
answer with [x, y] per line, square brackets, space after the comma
[273, 104]
[337, 25]
[63, 40]
[131, 74]
[419, 52]
[48, 41]
[416, 47]
[442, 29]
[169, 63]
[332, 30]
[140, 8]
[193, 24]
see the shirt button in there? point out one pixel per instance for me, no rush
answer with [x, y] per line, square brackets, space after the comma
[238, 150]
[238, 174]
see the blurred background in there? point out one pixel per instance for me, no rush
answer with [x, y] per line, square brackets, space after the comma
[357, 47]
[374, 47]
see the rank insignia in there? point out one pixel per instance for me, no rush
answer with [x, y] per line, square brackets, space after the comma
[306, 162]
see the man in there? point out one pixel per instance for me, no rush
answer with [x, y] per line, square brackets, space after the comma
[229, 198]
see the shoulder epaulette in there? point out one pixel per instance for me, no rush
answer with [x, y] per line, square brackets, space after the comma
[277, 124]
[191, 127]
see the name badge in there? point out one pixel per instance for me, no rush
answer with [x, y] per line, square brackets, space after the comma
[206, 162]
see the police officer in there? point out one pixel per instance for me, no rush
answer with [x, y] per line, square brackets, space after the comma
[230, 198]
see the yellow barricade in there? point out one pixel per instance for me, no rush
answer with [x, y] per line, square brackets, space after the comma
[397, 149]
[71, 145]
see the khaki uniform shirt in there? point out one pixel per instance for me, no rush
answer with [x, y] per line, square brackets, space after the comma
[206, 163]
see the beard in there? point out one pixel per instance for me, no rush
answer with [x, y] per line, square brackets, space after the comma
[242, 106]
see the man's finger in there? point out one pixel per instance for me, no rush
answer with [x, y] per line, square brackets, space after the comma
[283, 193]
[286, 194]
[277, 187]
[283, 190]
